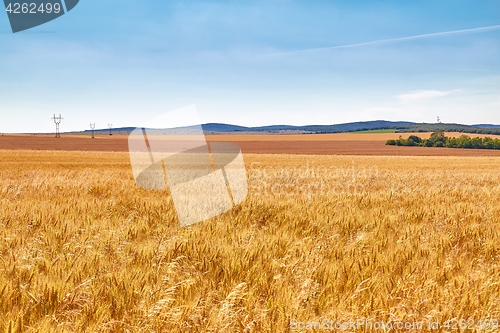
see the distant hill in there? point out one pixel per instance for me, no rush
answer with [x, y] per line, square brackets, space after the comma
[486, 126]
[119, 130]
[451, 128]
[215, 127]
[398, 126]
[338, 128]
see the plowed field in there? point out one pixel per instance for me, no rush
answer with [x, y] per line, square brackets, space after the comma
[317, 144]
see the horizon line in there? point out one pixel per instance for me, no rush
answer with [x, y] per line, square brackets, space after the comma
[250, 127]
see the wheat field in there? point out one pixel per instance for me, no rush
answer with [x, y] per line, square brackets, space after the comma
[82, 249]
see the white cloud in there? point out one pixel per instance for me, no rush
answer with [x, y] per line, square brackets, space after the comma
[423, 95]
[400, 39]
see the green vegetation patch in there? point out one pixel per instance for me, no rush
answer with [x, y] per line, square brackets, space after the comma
[439, 139]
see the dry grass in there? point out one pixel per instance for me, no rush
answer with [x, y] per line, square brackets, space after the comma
[82, 249]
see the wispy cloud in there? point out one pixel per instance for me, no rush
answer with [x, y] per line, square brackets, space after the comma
[400, 39]
[423, 95]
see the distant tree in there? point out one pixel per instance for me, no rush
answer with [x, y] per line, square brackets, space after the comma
[488, 143]
[477, 143]
[452, 143]
[464, 142]
[438, 144]
[438, 136]
[415, 139]
[439, 139]
[391, 142]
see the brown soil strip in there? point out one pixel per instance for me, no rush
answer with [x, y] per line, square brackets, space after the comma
[330, 144]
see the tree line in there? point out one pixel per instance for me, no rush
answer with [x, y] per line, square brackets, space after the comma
[439, 139]
[449, 128]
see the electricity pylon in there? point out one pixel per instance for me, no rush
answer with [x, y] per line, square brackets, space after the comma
[57, 121]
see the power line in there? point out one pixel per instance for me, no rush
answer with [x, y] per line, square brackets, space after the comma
[92, 127]
[57, 121]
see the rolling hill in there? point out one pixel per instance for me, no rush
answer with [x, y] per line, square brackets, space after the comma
[398, 126]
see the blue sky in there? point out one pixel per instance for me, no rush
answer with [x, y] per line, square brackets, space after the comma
[253, 63]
